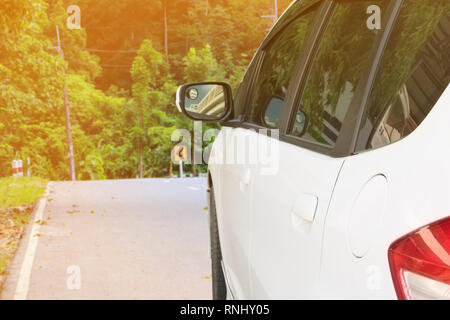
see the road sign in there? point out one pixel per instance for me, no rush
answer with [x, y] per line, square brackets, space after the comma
[180, 153]
[17, 168]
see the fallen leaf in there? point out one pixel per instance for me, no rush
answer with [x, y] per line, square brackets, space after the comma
[207, 277]
[205, 208]
[50, 199]
[92, 211]
[37, 235]
[72, 211]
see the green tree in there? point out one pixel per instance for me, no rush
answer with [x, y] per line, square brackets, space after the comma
[150, 73]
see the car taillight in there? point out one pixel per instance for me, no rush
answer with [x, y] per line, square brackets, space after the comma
[420, 262]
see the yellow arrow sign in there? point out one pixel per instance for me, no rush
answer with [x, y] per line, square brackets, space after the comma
[179, 153]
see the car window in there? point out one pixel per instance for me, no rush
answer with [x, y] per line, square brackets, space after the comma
[279, 61]
[413, 74]
[343, 55]
[240, 96]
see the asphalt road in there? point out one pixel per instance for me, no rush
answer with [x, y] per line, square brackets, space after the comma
[125, 239]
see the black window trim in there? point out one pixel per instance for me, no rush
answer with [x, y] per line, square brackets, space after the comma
[301, 75]
[277, 29]
[395, 17]
[240, 120]
[394, 12]
[350, 126]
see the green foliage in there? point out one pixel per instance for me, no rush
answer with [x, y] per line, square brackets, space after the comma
[30, 86]
[21, 191]
[3, 262]
[119, 115]
[79, 60]
[200, 65]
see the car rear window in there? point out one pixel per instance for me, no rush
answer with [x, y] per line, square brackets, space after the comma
[413, 74]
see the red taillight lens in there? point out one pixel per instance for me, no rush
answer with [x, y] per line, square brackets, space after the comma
[420, 262]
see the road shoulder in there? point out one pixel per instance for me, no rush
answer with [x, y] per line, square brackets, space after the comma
[14, 270]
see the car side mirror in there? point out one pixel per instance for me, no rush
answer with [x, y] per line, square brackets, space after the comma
[272, 114]
[300, 124]
[205, 101]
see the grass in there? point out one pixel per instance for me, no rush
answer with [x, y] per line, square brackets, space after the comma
[3, 261]
[21, 191]
[17, 196]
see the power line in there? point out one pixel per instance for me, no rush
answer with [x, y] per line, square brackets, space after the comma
[172, 45]
[116, 65]
[105, 50]
[111, 51]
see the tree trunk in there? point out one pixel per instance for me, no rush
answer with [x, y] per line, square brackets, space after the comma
[141, 157]
[141, 161]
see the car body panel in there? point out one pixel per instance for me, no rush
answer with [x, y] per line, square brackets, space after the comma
[233, 199]
[418, 174]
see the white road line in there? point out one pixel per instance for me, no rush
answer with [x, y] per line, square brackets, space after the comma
[23, 284]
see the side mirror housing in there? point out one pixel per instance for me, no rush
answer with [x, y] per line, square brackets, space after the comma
[205, 101]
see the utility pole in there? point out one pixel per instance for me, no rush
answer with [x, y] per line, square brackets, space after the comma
[273, 16]
[67, 111]
[181, 169]
[207, 8]
[141, 144]
[166, 40]
[276, 10]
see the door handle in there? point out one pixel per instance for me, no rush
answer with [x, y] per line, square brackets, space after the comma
[304, 209]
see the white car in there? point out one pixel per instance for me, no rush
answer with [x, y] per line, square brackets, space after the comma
[330, 177]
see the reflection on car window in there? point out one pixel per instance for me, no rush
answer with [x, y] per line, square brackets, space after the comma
[272, 113]
[342, 57]
[242, 91]
[413, 75]
[279, 62]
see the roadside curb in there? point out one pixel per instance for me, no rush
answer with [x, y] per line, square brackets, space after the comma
[17, 283]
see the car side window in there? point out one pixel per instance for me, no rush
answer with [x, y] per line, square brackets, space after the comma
[413, 74]
[342, 57]
[279, 61]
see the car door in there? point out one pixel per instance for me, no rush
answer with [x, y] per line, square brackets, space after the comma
[234, 159]
[289, 205]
